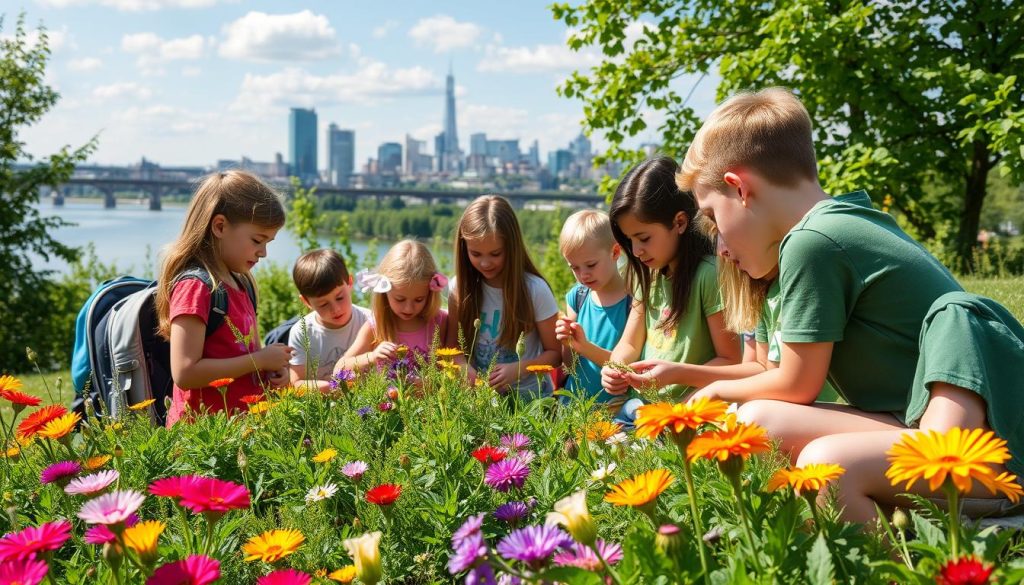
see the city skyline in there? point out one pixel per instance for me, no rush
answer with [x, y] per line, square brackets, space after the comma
[190, 82]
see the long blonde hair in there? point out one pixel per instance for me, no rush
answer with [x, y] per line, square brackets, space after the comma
[407, 262]
[239, 196]
[743, 297]
[486, 216]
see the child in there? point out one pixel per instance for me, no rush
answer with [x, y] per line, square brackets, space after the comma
[325, 287]
[406, 305]
[230, 221]
[884, 319]
[676, 320]
[596, 307]
[498, 287]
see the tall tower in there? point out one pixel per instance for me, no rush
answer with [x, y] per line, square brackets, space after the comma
[341, 159]
[450, 159]
[302, 155]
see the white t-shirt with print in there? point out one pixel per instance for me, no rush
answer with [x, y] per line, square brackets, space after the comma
[326, 345]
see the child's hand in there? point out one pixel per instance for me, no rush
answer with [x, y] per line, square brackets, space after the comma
[613, 381]
[273, 357]
[278, 378]
[385, 350]
[570, 332]
[649, 373]
[503, 375]
[710, 392]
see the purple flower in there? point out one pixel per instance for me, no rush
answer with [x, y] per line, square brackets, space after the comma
[526, 457]
[533, 545]
[340, 380]
[583, 557]
[515, 442]
[470, 550]
[354, 470]
[482, 574]
[60, 473]
[364, 412]
[506, 474]
[512, 512]
[401, 368]
[471, 526]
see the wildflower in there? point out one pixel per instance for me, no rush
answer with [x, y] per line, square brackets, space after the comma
[540, 369]
[447, 353]
[616, 439]
[714, 535]
[260, 407]
[640, 491]
[19, 399]
[195, 570]
[526, 457]
[730, 446]
[354, 470]
[172, 487]
[23, 572]
[805, 480]
[365, 553]
[9, 384]
[385, 406]
[667, 540]
[900, 520]
[964, 571]
[515, 442]
[24, 545]
[340, 379]
[221, 382]
[488, 454]
[60, 473]
[506, 474]
[321, 493]
[583, 557]
[142, 405]
[959, 455]
[573, 514]
[392, 393]
[325, 455]
[213, 497]
[92, 484]
[12, 452]
[112, 508]
[681, 418]
[273, 545]
[97, 462]
[285, 577]
[471, 526]
[602, 430]
[603, 472]
[35, 421]
[61, 426]
[364, 411]
[343, 575]
[384, 494]
[142, 538]
[251, 399]
[512, 512]
[534, 545]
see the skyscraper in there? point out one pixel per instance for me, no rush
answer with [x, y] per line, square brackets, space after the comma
[450, 158]
[341, 155]
[302, 154]
[389, 158]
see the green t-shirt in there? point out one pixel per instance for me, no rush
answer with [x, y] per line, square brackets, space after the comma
[769, 331]
[690, 342]
[849, 275]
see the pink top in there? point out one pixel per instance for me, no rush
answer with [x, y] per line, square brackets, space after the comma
[421, 339]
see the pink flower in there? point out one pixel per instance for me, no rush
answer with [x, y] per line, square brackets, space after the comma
[195, 570]
[285, 577]
[24, 572]
[354, 470]
[207, 494]
[111, 508]
[92, 484]
[100, 534]
[172, 487]
[60, 472]
[24, 545]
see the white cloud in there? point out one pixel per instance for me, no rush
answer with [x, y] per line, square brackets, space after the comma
[130, 5]
[153, 50]
[85, 64]
[302, 36]
[538, 59]
[427, 133]
[383, 30]
[190, 71]
[444, 33]
[496, 121]
[127, 89]
[55, 39]
[163, 119]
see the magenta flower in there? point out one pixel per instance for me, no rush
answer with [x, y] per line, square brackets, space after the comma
[209, 495]
[23, 572]
[471, 526]
[515, 442]
[285, 577]
[506, 474]
[92, 484]
[60, 473]
[385, 406]
[172, 487]
[534, 545]
[112, 508]
[354, 470]
[100, 534]
[583, 557]
[195, 570]
[512, 512]
[469, 551]
[24, 545]
[526, 457]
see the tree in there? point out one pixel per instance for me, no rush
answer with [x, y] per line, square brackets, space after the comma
[904, 95]
[24, 99]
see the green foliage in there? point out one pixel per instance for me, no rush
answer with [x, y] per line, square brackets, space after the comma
[905, 97]
[25, 292]
[553, 265]
[278, 299]
[302, 215]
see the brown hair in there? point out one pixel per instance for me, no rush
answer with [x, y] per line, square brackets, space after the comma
[768, 132]
[485, 216]
[407, 262]
[318, 272]
[241, 197]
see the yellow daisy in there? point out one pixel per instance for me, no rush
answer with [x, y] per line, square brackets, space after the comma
[142, 538]
[343, 575]
[142, 405]
[652, 419]
[325, 455]
[807, 479]
[540, 369]
[97, 462]
[61, 426]
[273, 545]
[960, 455]
[640, 490]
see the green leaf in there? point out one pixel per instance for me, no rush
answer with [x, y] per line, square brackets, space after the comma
[820, 568]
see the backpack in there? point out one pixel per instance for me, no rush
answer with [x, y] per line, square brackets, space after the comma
[280, 333]
[118, 354]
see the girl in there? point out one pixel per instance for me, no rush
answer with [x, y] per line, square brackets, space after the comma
[230, 221]
[500, 302]
[676, 321]
[406, 301]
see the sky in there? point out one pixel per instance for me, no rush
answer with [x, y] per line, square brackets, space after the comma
[188, 82]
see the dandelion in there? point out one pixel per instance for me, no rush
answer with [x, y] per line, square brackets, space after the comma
[506, 474]
[273, 545]
[343, 575]
[487, 454]
[60, 473]
[142, 538]
[92, 484]
[365, 553]
[61, 426]
[259, 408]
[195, 570]
[23, 572]
[384, 494]
[38, 419]
[325, 455]
[25, 545]
[354, 470]
[641, 491]
[512, 512]
[112, 508]
[285, 577]
[321, 493]
[583, 557]
[603, 472]
[534, 545]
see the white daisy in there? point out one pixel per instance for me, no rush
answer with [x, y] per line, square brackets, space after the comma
[616, 439]
[601, 473]
[321, 492]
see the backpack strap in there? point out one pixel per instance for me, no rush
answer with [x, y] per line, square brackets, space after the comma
[218, 296]
[250, 289]
[581, 296]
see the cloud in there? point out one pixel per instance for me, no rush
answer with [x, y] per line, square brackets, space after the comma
[444, 33]
[85, 64]
[302, 36]
[383, 30]
[130, 5]
[129, 89]
[537, 59]
[163, 119]
[55, 39]
[153, 50]
[496, 121]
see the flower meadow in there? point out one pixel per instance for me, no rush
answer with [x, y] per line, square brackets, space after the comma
[413, 475]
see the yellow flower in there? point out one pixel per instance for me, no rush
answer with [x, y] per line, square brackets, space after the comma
[1007, 483]
[443, 353]
[97, 462]
[60, 426]
[320, 573]
[652, 419]
[807, 479]
[13, 452]
[260, 407]
[572, 512]
[959, 455]
[273, 545]
[142, 538]
[325, 455]
[401, 351]
[640, 490]
[10, 383]
[602, 430]
[142, 405]
[741, 440]
[365, 552]
[539, 369]
[343, 575]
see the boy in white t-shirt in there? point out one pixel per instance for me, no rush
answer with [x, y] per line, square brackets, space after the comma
[323, 336]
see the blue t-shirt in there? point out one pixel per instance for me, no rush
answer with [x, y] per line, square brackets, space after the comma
[604, 327]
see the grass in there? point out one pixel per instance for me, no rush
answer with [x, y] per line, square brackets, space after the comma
[36, 385]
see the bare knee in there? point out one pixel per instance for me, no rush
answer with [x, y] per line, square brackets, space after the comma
[821, 450]
[760, 412]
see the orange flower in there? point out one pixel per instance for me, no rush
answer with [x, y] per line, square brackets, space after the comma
[640, 490]
[97, 462]
[741, 441]
[960, 455]
[9, 383]
[602, 430]
[142, 405]
[220, 382]
[540, 369]
[807, 479]
[652, 419]
[19, 399]
[35, 421]
[60, 427]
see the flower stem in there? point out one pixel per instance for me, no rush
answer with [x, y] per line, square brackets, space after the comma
[748, 532]
[953, 496]
[698, 525]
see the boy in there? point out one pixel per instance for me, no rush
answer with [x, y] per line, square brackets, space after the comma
[597, 306]
[862, 302]
[325, 287]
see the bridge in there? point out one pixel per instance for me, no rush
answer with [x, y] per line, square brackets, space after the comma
[155, 189]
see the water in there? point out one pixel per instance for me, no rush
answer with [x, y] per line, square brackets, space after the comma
[132, 236]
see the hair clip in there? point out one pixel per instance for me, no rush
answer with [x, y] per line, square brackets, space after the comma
[438, 282]
[372, 281]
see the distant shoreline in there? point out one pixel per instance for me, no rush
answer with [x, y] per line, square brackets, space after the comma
[129, 202]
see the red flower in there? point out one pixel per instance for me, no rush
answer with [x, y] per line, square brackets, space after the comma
[19, 398]
[488, 454]
[252, 398]
[965, 571]
[24, 545]
[172, 487]
[221, 382]
[207, 494]
[34, 422]
[384, 494]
